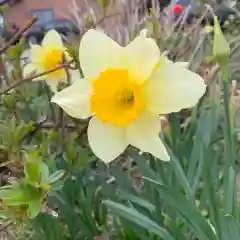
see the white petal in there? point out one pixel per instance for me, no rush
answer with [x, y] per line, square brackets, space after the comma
[52, 40]
[36, 53]
[53, 81]
[107, 141]
[144, 134]
[74, 75]
[182, 64]
[97, 52]
[32, 69]
[171, 88]
[29, 69]
[75, 99]
[141, 56]
[53, 84]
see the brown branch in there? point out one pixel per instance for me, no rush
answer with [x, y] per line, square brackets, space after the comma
[6, 226]
[18, 35]
[30, 78]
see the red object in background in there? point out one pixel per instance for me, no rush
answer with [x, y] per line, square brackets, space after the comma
[177, 8]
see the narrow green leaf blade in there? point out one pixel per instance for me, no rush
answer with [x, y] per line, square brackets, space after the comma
[189, 212]
[137, 218]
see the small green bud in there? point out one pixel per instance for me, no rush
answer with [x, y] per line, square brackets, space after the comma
[221, 49]
[103, 3]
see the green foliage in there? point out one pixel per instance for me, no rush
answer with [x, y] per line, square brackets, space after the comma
[26, 196]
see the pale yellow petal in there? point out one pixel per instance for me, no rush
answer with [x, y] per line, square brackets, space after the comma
[32, 69]
[29, 70]
[74, 75]
[141, 56]
[52, 40]
[172, 88]
[106, 141]
[53, 85]
[36, 53]
[182, 64]
[144, 135]
[98, 52]
[164, 59]
[53, 80]
[74, 100]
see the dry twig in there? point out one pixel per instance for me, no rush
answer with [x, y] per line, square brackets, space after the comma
[30, 78]
[18, 35]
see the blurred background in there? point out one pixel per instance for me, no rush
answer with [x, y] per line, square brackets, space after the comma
[68, 17]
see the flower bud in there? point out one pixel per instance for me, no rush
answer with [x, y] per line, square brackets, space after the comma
[221, 49]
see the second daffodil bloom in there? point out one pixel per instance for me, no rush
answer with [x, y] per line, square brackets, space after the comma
[124, 90]
[47, 56]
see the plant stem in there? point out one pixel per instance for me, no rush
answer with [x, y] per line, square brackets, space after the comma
[229, 190]
[18, 35]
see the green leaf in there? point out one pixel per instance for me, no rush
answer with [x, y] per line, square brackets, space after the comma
[32, 172]
[139, 201]
[230, 195]
[133, 216]
[34, 207]
[55, 176]
[230, 228]
[180, 175]
[188, 211]
[202, 139]
[4, 215]
[44, 172]
[9, 191]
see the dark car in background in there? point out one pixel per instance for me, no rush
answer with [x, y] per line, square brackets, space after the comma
[34, 34]
[64, 27]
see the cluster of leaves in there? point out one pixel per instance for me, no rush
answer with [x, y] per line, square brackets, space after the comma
[26, 196]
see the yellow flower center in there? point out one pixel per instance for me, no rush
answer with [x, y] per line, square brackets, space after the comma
[116, 99]
[52, 59]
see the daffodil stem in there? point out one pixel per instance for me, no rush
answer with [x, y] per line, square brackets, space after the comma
[228, 131]
[229, 168]
[62, 127]
[175, 131]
